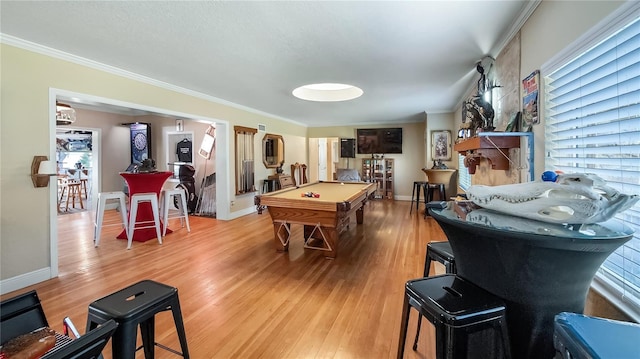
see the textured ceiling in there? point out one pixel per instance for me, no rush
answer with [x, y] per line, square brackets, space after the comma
[408, 57]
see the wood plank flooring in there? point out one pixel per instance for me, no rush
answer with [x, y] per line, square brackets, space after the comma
[242, 299]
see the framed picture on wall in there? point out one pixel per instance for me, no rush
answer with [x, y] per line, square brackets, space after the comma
[441, 145]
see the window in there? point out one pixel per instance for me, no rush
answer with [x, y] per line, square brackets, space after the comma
[245, 159]
[593, 126]
[464, 178]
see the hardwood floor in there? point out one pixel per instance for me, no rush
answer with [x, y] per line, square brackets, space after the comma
[242, 299]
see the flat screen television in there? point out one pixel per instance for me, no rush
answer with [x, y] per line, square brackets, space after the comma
[379, 140]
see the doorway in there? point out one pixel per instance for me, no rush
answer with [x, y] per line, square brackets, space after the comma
[78, 167]
[323, 158]
[109, 105]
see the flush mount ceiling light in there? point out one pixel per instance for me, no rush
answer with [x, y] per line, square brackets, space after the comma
[327, 92]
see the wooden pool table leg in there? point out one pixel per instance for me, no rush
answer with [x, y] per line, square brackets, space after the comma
[360, 215]
[325, 237]
[282, 233]
[331, 235]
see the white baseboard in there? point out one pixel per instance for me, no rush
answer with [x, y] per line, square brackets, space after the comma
[24, 280]
[238, 214]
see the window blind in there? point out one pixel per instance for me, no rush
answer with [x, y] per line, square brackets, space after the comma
[464, 178]
[593, 126]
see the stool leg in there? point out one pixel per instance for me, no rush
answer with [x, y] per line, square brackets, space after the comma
[441, 338]
[68, 195]
[448, 266]
[417, 199]
[428, 197]
[413, 191]
[427, 267]
[79, 191]
[123, 343]
[504, 334]
[132, 222]
[156, 219]
[404, 323]
[62, 192]
[165, 213]
[99, 218]
[415, 341]
[123, 214]
[177, 318]
[147, 330]
[185, 212]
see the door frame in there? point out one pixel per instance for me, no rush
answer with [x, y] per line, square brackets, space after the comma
[222, 153]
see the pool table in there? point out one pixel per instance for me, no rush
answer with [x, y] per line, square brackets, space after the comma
[324, 218]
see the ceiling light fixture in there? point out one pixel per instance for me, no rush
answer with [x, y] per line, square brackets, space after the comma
[327, 92]
[65, 115]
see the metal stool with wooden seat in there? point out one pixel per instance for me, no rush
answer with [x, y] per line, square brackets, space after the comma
[135, 200]
[167, 200]
[74, 190]
[103, 197]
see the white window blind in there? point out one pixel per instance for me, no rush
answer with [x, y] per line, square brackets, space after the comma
[593, 126]
[464, 178]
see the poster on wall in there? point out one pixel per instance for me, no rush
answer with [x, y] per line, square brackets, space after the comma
[140, 142]
[531, 89]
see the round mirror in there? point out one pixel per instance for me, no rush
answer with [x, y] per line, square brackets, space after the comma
[272, 150]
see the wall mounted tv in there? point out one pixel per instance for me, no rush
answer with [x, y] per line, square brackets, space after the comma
[379, 140]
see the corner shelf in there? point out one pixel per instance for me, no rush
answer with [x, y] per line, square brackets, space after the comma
[495, 146]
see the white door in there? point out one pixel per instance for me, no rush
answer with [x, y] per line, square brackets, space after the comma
[322, 159]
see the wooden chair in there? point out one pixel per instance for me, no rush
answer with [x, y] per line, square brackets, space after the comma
[286, 182]
[299, 173]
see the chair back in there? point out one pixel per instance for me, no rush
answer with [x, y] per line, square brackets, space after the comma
[88, 346]
[21, 314]
[286, 182]
[448, 177]
[299, 174]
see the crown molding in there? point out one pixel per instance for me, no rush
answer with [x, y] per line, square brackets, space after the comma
[515, 27]
[51, 52]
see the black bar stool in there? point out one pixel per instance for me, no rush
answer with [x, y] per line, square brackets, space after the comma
[430, 189]
[459, 310]
[137, 305]
[415, 193]
[440, 252]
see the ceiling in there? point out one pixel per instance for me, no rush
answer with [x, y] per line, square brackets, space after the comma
[409, 57]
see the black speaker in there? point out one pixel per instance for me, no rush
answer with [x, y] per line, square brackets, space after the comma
[348, 147]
